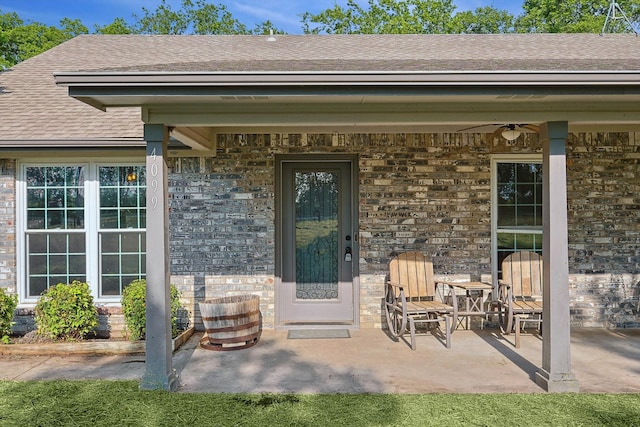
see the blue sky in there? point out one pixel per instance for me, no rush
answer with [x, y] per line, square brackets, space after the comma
[285, 14]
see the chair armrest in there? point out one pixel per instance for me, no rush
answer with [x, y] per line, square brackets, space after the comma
[502, 283]
[395, 285]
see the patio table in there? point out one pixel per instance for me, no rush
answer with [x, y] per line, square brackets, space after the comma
[472, 300]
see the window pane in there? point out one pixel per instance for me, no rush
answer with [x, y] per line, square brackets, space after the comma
[506, 172]
[37, 285]
[130, 264]
[111, 286]
[35, 198]
[131, 242]
[51, 192]
[122, 193]
[77, 264]
[110, 264]
[506, 216]
[35, 177]
[110, 242]
[129, 218]
[54, 258]
[506, 194]
[526, 216]
[38, 264]
[122, 255]
[128, 197]
[108, 198]
[108, 218]
[509, 243]
[525, 194]
[35, 220]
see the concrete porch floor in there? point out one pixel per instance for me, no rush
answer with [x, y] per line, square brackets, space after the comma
[480, 361]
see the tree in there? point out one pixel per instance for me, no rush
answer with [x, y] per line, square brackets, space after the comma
[19, 41]
[573, 16]
[9, 50]
[484, 20]
[197, 17]
[164, 20]
[383, 17]
[118, 26]
[267, 27]
[209, 18]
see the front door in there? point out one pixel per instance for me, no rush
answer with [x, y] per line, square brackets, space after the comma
[317, 245]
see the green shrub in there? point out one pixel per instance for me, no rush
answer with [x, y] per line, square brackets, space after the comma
[8, 304]
[66, 311]
[134, 309]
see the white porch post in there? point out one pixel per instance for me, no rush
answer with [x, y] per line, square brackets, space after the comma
[159, 373]
[555, 374]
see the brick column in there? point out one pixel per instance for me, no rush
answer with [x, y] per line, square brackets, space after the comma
[555, 374]
[159, 373]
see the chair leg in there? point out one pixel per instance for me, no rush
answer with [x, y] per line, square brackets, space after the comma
[412, 330]
[517, 331]
[447, 322]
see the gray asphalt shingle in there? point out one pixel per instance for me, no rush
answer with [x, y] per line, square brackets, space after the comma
[34, 108]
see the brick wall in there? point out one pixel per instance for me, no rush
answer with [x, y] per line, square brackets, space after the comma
[417, 192]
[8, 224]
[603, 174]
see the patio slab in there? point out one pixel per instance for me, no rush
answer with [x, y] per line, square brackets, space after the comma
[480, 361]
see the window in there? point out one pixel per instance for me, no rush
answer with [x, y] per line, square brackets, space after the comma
[517, 207]
[81, 222]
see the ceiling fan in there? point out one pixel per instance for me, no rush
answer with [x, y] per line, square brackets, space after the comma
[510, 131]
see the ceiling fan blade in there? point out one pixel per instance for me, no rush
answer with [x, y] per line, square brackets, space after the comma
[498, 132]
[479, 126]
[532, 128]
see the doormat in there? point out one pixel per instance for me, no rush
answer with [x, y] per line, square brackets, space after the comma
[307, 334]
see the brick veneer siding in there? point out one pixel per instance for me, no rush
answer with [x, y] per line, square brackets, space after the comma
[427, 192]
[604, 228]
[8, 224]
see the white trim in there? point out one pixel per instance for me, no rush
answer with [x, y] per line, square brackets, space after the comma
[495, 159]
[91, 228]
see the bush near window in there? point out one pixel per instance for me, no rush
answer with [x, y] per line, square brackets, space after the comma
[134, 309]
[8, 304]
[66, 311]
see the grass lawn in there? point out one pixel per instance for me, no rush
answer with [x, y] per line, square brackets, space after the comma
[120, 403]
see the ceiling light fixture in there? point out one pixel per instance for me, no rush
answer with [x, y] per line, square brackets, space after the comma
[510, 133]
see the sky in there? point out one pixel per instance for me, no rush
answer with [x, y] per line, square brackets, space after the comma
[284, 14]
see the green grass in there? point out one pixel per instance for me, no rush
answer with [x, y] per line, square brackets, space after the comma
[121, 403]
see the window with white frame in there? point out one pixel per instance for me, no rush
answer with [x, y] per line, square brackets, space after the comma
[517, 207]
[83, 221]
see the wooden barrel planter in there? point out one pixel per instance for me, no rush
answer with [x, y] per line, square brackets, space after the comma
[231, 323]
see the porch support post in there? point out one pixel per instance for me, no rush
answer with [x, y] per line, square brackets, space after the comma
[555, 374]
[159, 373]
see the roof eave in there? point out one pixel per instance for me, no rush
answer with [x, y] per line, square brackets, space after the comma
[351, 78]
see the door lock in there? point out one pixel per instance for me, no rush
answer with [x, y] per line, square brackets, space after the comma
[347, 254]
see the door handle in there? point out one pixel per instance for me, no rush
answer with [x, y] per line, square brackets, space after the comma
[347, 254]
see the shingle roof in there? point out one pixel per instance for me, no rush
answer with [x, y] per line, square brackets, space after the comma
[33, 108]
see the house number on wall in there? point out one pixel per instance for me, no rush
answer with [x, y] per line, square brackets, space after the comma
[154, 181]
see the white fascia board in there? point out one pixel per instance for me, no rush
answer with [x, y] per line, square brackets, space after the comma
[455, 78]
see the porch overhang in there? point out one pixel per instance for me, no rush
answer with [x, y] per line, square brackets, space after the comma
[445, 101]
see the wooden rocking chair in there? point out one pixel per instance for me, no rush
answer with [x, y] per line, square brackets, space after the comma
[413, 297]
[520, 292]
